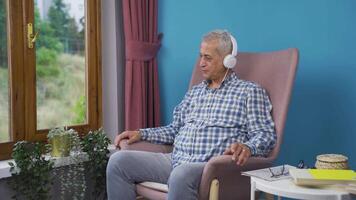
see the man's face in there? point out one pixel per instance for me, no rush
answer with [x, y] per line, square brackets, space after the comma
[211, 62]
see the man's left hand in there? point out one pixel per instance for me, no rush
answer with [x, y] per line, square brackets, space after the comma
[240, 153]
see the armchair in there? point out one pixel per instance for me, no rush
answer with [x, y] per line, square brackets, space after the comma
[222, 179]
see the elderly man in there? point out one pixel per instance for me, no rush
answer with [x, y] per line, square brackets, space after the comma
[221, 115]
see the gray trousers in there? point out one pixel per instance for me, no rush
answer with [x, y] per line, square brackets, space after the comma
[125, 168]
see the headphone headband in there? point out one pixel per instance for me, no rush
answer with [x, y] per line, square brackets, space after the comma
[234, 45]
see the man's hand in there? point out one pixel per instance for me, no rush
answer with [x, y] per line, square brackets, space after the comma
[240, 153]
[133, 136]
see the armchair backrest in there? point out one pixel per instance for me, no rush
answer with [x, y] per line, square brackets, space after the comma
[275, 72]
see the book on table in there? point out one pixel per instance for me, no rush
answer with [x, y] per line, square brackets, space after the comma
[315, 177]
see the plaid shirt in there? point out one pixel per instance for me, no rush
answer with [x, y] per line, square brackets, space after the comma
[208, 121]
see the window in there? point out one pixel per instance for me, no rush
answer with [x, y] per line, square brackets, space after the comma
[50, 68]
[4, 77]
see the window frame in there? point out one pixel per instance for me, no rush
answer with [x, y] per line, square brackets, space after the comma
[22, 74]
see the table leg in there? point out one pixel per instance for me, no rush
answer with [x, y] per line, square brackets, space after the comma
[253, 190]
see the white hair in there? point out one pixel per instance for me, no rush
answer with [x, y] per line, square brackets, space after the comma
[224, 39]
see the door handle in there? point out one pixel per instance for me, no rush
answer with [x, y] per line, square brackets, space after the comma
[30, 37]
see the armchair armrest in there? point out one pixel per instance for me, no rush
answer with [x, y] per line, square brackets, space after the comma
[232, 185]
[146, 146]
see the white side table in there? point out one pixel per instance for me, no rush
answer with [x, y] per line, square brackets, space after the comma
[286, 188]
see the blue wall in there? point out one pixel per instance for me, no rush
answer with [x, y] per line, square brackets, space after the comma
[322, 113]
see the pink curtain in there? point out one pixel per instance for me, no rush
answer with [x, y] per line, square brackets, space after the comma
[142, 43]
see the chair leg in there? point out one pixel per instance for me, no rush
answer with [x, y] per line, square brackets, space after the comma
[214, 190]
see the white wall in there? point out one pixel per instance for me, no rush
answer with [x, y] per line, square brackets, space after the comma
[112, 67]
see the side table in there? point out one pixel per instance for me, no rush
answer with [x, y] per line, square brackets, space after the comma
[286, 188]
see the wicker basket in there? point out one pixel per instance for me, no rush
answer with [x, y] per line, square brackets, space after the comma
[331, 161]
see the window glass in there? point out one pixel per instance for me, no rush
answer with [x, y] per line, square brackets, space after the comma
[4, 77]
[60, 63]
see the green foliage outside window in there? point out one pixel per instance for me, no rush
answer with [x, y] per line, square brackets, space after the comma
[60, 68]
[3, 38]
[79, 109]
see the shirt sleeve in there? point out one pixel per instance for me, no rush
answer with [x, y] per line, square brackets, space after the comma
[166, 134]
[261, 132]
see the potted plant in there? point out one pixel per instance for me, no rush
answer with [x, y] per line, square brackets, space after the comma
[61, 140]
[30, 171]
[66, 143]
[95, 144]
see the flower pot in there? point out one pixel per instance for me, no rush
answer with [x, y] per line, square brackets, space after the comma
[60, 145]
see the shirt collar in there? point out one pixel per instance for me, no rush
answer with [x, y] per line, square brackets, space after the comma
[231, 76]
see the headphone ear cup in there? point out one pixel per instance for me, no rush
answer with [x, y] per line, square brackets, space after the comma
[229, 61]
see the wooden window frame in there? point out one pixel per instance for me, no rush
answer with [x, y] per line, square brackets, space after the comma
[22, 79]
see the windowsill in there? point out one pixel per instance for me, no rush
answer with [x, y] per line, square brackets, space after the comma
[58, 162]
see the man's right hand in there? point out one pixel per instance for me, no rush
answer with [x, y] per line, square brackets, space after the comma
[133, 136]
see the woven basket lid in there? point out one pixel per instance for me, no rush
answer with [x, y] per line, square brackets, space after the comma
[332, 158]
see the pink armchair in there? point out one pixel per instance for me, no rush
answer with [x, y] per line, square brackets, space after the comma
[222, 179]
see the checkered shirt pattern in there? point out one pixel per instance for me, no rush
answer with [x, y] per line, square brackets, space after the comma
[208, 121]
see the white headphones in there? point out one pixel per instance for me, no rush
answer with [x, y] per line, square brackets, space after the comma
[230, 59]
